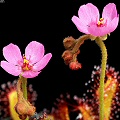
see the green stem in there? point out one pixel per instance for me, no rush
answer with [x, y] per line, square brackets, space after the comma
[24, 89]
[101, 44]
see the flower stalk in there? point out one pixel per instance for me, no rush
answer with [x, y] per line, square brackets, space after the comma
[23, 107]
[73, 52]
[101, 44]
[91, 24]
[79, 42]
[24, 87]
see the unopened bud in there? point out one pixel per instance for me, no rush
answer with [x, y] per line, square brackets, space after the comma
[67, 56]
[25, 108]
[69, 42]
[75, 65]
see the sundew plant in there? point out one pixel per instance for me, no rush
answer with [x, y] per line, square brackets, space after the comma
[28, 65]
[17, 100]
[96, 29]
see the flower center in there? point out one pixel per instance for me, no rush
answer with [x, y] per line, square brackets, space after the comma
[26, 64]
[100, 22]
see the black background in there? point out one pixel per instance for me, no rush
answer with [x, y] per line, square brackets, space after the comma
[49, 22]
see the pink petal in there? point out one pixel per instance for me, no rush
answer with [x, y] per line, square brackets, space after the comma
[109, 11]
[12, 53]
[88, 13]
[10, 68]
[80, 25]
[30, 74]
[113, 25]
[98, 31]
[43, 62]
[34, 51]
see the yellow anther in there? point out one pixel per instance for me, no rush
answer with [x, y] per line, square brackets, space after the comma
[100, 22]
[26, 61]
[26, 66]
[101, 19]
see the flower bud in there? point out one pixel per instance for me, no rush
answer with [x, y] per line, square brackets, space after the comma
[24, 109]
[67, 56]
[75, 65]
[69, 42]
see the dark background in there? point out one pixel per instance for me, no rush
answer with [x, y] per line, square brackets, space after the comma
[49, 22]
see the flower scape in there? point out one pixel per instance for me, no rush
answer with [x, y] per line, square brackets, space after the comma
[27, 66]
[96, 29]
[102, 98]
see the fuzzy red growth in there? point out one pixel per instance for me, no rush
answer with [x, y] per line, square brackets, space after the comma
[85, 107]
[61, 112]
[88, 106]
[86, 112]
[111, 91]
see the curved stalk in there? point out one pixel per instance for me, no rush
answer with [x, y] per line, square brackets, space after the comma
[79, 42]
[101, 44]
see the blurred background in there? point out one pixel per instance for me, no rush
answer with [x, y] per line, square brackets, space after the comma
[49, 22]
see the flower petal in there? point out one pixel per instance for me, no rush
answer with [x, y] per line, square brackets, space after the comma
[34, 51]
[109, 11]
[80, 25]
[98, 31]
[10, 68]
[12, 53]
[88, 13]
[30, 74]
[113, 24]
[42, 63]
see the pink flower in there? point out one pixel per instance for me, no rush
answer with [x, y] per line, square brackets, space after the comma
[90, 23]
[28, 65]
